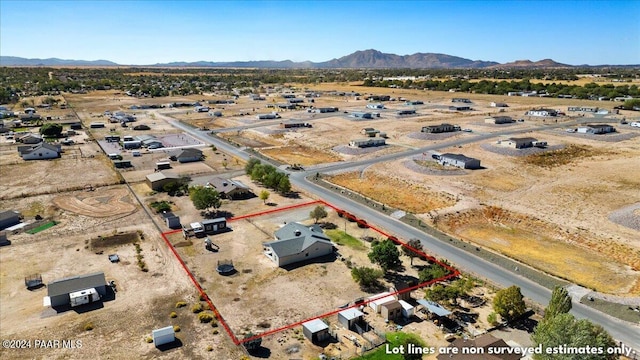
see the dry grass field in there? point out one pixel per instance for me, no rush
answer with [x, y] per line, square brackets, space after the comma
[300, 154]
[414, 197]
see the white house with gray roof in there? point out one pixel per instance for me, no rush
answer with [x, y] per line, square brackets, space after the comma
[42, 151]
[296, 242]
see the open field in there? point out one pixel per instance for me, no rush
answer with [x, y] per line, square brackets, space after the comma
[417, 199]
[299, 154]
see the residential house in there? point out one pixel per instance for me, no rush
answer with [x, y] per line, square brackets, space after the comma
[542, 112]
[186, 155]
[590, 109]
[413, 102]
[461, 100]
[459, 160]
[405, 112]
[230, 189]
[29, 138]
[375, 106]
[370, 132]
[295, 125]
[521, 143]
[596, 129]
[41, 151]
[267, 116]
[361, 115]
[442, 128]
[323, 110]
[362, 143]
[296, 242]
[499, 104]
[460, 108]
[499, 120]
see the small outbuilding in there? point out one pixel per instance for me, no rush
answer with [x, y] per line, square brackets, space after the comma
[214, 226]
[186, 155]
[391, 310]
[157, 180]
[407, 309]
[351, 319]
[162, 336]
[316, 330]
[379, 300]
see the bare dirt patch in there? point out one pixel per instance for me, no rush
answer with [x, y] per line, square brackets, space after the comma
[415, 197]
[99, 203]
[577, 256]
[300, 154]
[105, 242]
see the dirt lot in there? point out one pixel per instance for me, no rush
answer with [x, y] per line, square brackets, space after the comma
[142, 303]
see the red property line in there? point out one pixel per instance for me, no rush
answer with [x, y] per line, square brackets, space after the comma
[453, 271]
[274, 210]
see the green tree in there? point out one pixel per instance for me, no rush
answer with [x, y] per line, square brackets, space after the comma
[386, 255]
[565, 330]
[248, 168]
[410, 251]
[264, 195]
[284, 185]
[318, 213]
[416, 342]
[560, 303]
[509, 303]
[204, 198]
[366, 276]
[431, 272]
[51, 130]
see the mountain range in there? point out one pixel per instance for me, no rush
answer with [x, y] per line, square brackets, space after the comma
[364, 59]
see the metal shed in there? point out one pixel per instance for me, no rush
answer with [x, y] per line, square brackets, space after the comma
[59, 291]
[316, 330]
[350, 317]
[407, 309]
[163, 336]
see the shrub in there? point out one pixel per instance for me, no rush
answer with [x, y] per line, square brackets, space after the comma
[180, 304]
[88, 326]
[203, 297]
[205, 317]
[215, 332]
[173, 315]
[196, 308]
[148, 339]
[214, 323]
[209, 348]
[176, 328]
[492, 319]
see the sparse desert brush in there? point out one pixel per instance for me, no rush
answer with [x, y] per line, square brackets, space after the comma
[196, 308]
[205, 317]
[209, 348]
[203, 297]
[215, 332]
[214, 323]
[148, 339]
[180, 304]
[176, 328]
[88, 326]
[173, 315]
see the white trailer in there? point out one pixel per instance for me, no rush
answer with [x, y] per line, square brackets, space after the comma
[83, 297]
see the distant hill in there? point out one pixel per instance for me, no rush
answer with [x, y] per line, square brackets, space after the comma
[363, 59]
[377, 59]
[528, 64]
[18, 61]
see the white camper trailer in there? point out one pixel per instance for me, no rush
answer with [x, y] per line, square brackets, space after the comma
[84, 297]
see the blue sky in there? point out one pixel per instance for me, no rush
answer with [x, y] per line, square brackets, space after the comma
[149, 32]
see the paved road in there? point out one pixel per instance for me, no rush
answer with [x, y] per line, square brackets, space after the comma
[627, 333]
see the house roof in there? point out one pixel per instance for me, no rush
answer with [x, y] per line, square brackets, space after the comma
[75, 283]
[163, 331]
[225, 186]
[458, 157]
[391, 305]
[39, 146]
[214, 221]
[525, 139]
[8, 214]
[315, 325]
[351, 314]
[161, 175]
[434, 307]
[295, 238]
[188, 152]
[599, 126]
